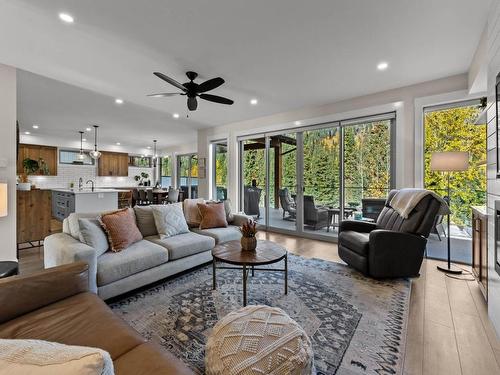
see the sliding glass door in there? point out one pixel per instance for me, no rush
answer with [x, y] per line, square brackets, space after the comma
[367, 165]
[219, 170]
[253, 177]
[282, 153]
[321, 176]
[187, 175]
[309, 180]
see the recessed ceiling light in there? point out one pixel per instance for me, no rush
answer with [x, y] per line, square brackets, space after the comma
[27, 133]
[298, 123]
[35, 126]
[66, 17]
[253, 101]
[175, 115]
[88, 129]
[382, 65]
[84, 139]
[118, 143]
[118, 101]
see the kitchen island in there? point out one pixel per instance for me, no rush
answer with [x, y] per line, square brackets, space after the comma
[66, 201]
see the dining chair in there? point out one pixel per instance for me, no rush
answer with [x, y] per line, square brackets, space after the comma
[135, 197]
[143, 199]
[150, 196]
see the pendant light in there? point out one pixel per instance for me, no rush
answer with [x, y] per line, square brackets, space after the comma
[155, 155]
[95, 154]
[81, 155]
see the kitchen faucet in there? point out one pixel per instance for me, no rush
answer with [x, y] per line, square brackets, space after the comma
[80, 183]
[92, 182]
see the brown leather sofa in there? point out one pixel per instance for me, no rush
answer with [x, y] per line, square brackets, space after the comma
[55, 305]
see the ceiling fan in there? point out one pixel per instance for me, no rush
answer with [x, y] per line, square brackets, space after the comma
[193, 90]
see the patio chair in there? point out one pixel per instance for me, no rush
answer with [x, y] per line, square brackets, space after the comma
[437, 226]
[252, 201]
[372, 207]
[287, 204]
[221, 193]
[315, 217]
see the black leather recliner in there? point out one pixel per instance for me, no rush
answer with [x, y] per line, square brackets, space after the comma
[391, 247]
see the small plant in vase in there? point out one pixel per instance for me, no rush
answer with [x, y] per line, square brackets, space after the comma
[138, 179]
[248, 239]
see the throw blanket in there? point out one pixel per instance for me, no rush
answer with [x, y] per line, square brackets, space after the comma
[405, 200]
[47, 358]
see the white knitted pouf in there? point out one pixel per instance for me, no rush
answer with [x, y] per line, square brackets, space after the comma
[258, 340]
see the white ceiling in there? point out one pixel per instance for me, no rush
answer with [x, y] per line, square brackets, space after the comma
[61, 110]
[287, 53]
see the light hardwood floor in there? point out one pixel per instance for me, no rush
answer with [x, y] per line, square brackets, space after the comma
[449, 331]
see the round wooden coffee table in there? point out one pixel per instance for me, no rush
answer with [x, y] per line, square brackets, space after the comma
[267, 252]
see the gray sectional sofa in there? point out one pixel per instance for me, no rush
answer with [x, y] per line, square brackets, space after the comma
[142, 263]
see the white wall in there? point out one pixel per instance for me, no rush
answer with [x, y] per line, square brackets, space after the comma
[71, 173]
[8, 154]
[360, 106]
[493, 183]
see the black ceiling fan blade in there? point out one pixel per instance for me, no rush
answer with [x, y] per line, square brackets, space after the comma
[164, 94]
[210, 84]
[170, 80]
[216, 99]
[192, 103]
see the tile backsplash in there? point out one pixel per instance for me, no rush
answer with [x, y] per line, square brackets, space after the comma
[66, 174]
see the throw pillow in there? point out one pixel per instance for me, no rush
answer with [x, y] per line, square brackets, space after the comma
[145, 220]
[169, 219]
[191, 211]
[229, 211]
[91, 233]
[46, 358]
[121, 229]
[212, 215]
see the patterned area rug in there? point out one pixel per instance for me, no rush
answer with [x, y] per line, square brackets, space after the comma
[357, 325]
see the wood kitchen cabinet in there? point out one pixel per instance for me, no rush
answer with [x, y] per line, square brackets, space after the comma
[113, 164]
[34, 213]
[480, 248]
[37, 152]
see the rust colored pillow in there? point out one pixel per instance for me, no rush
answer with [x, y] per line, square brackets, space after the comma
[212, 215]
[121, 229]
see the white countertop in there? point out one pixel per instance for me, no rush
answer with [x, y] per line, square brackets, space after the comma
[89, 191]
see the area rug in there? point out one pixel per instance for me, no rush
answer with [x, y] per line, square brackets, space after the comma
[357, 325]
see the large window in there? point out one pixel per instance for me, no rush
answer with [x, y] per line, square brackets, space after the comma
[452, 128]
[219, 170]
[367, 161]
[166, 171]
[187, 175]
[310, 179]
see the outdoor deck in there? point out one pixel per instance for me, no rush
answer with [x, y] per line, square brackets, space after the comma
[461, 242]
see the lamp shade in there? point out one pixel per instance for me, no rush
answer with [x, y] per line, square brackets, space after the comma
[450, 161]
[3, 199]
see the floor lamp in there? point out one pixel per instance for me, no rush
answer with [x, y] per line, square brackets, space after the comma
[449, 161]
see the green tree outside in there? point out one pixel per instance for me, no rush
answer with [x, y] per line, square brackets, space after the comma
[454, 130]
